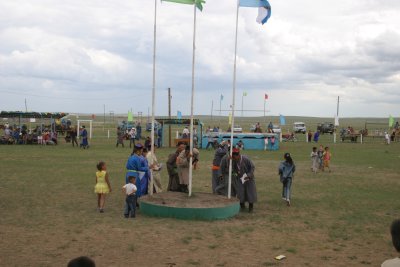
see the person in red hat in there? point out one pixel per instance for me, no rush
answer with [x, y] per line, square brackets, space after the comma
[243, 181]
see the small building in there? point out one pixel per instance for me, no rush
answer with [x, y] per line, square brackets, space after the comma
[251, 141]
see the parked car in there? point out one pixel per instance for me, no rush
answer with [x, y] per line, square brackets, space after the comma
[326, 127]
[276, 128]
[299, 127]
[237, 129]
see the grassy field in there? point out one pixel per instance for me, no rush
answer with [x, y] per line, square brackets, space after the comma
[342, 218]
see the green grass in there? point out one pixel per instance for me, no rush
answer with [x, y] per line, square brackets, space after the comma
[48, 210]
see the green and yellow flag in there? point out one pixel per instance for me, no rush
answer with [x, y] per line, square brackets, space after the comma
[391, 121]
[198, 3]
[244, 93]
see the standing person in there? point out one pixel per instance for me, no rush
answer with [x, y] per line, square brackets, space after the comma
[395, 232]
[130, 200]
[316, 136]
[286, 171]
[210, 140]
[102, 186]
[387, 138]
[74, 134]
[147, 142]
[84, 135]
[314, 160]
[120, 137]
[327, 159]
[145, 179]
[185, 133]
[173, 182]
[132, 136]
[309, 136]
[139, 131]
[155, 177]
[134, 168]
[320, 157]
[159, 136]
[216, 174]
[243, 179]
[182, 161]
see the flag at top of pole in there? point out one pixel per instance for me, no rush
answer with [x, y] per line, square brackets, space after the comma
[198, 3]
[264, 9]
[222, 98]
[265, 96]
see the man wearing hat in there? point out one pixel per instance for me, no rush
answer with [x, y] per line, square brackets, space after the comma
[221, 151]
[243, 182]
[134, 168]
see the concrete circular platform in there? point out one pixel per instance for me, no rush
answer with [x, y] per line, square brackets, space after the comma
[200, 206]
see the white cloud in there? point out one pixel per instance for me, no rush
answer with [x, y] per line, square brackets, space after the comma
[312, 52]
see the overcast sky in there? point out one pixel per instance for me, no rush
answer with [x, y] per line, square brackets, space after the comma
[76, 56]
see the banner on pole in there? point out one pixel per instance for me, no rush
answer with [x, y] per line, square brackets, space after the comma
[230, 118]
[179, 115]
[130, 116]
[198, 3]
[222, 98]
[264, 9]
[282, 120]
[391, 121]
[265, 97]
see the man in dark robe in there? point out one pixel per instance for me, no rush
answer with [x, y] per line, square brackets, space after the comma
[243, 182]
[173, 183]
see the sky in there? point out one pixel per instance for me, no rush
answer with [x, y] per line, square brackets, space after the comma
[90, 56]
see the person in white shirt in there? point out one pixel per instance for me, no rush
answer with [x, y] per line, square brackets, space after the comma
[387, 138]
[185, 133]
[130, 192]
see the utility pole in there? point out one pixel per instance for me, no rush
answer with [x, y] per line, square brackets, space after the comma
[212, 106]
[169, 115]
[104, 118]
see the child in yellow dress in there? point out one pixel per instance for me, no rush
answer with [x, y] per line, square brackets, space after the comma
[102, 186]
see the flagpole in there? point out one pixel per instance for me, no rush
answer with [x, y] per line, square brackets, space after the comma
[192, 103]
[153, 92]
[242, 103]
[220, 102]
[264, 106]
[233, 103]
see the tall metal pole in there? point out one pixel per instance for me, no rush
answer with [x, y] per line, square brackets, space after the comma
[242, 103]
[212, 107]
[153, 102]
[26, 106]
[233, 103]
[220, 102]
[337, 108]
[104, 117]
[192, 104]
[169, 116]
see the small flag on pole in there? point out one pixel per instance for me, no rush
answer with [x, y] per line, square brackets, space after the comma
[282, 120]
[244, 93]
[391, 121]
[198, 3]
[179, 115]
[230, 118]
[265, 96]
[264, 9]
[130, 116]
[222, 97]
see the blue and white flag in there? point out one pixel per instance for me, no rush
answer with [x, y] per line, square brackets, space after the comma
[179, 115]
[282, 120]
[264, 9]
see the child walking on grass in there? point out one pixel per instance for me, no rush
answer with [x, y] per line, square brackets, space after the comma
[327, 159]
[130, 201]
[102, 186]
[314, 160]
[286, 171]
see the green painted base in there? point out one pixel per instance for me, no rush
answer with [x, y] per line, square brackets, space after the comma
[200, 206]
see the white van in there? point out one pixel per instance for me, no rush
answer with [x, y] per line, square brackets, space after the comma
[299, 127]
